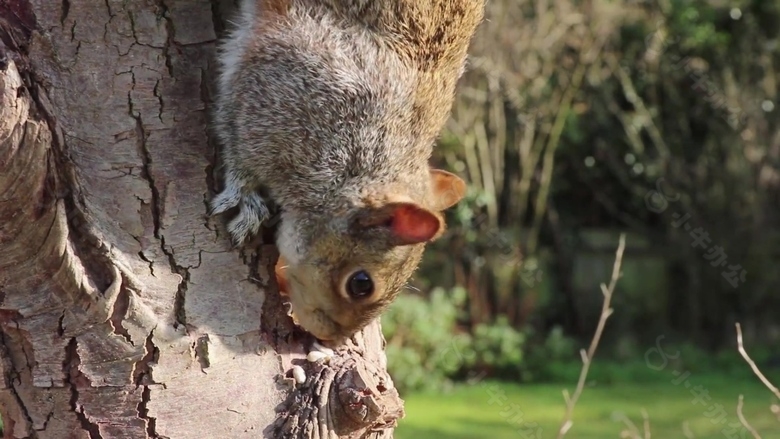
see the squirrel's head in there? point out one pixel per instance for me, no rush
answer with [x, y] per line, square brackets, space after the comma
[359, 261]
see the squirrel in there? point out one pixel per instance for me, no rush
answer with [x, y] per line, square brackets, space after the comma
[329, 109]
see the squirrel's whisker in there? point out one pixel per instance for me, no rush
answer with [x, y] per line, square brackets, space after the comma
[412, 287]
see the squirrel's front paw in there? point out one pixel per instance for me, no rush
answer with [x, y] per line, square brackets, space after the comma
[228, 198]
[252, 212]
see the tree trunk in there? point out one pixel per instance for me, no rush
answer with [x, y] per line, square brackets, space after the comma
[123, 311]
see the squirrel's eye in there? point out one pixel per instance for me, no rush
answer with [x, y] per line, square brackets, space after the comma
[360, 285]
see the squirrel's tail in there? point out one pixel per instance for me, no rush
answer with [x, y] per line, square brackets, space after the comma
[432, 33]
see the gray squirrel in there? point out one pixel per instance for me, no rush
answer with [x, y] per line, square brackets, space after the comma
[330, 109]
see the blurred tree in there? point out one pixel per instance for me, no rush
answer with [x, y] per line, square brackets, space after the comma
[580, 115]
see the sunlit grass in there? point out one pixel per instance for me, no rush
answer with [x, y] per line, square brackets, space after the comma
[467, 413]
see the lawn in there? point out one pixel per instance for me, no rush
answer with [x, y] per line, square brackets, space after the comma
[486, 410]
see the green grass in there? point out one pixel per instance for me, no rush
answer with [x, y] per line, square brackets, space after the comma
[466, 412]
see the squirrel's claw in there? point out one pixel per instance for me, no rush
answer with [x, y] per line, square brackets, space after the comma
[251, 215]
[228, 198]
[252, 209]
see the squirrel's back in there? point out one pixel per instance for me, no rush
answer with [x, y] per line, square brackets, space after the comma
[433, 35]
[340, 90]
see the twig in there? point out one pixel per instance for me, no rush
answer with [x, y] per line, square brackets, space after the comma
[587, 358]
[744, 421]
[632, 96]
[686, 428]
[631, 432]
[646, 419]
[752, 364]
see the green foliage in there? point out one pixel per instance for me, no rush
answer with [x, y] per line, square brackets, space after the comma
[465, 212]
[573, 132]
[424, 349]
[558, 346]
[497, 348]
[427, 351]
[550, 360]
[557, 360]
[696, 25]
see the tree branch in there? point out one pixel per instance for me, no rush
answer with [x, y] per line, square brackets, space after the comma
[587, 358]
[757, 371]
[752, 364]
[744, 421]
[646, 423]
[631, 432]
[686, 428]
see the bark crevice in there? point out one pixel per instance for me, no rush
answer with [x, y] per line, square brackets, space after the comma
[169, 28]
[75, 379]
[10, 380]
[143, 413]
[201, 348]
[143, 378]
[119, 311]
[146, 159]
[156, 205]
[65, 9]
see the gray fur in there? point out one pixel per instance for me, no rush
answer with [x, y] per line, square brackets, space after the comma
[321, 111]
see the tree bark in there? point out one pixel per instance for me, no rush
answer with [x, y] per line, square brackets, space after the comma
[123, 311]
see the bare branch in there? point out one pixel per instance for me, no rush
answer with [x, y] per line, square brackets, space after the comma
[566, 396]
[632, 431]
[606, 311]
[686, 428]
[744, 421]
[646, 419]
[752, 364]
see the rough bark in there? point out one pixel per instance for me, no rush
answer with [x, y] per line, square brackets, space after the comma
[123, 311]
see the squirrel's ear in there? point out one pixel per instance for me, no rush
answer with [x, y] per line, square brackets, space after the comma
[448, 189]
[412, 224]
[407, 222]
